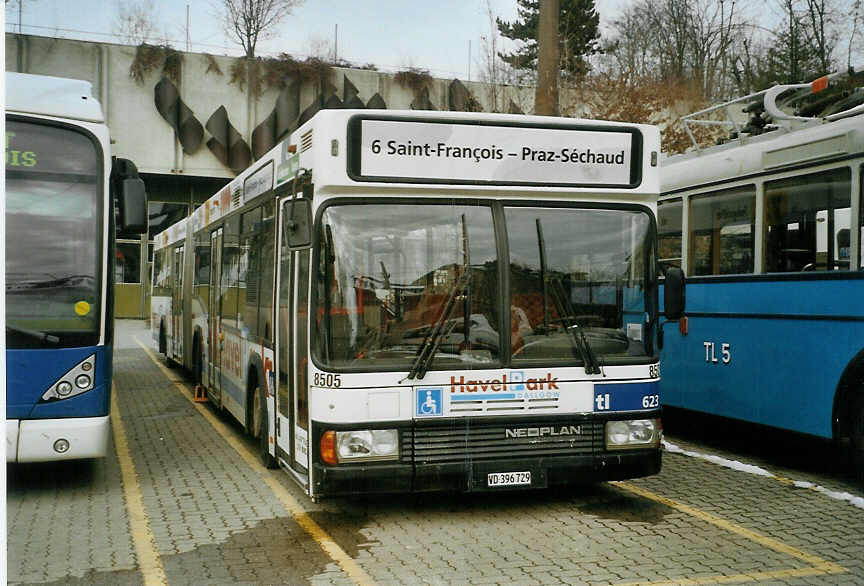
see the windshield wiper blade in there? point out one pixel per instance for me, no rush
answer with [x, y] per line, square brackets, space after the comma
[36, 335]
[565, 310]
[14, 285]
[577, 333]
[443, 327]
[466, 295]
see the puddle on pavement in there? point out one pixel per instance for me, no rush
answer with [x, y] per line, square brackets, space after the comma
[346, 527]
[607, 502]
[273, 551]
[93, 578]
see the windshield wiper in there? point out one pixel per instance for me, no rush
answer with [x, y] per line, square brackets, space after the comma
[443, 327]
[565, 310]
[466, 295]
[541, 243]
[326, 275]
[568, 319]
[36, 335]
[25, 284]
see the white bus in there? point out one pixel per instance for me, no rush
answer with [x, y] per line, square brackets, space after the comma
[62, 190]
[413, 301]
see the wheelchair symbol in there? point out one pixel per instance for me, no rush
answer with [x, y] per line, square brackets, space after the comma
[428, 402]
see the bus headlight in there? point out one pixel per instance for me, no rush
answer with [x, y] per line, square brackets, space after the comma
[359, 445]
[79, 379]
[632, 433]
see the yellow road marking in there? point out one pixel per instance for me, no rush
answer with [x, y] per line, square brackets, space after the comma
[818, 566]
[149, 561]
[321, 537]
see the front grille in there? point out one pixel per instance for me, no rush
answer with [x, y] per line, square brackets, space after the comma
[471, 439]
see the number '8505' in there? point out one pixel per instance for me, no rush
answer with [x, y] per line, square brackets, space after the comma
[321, 379]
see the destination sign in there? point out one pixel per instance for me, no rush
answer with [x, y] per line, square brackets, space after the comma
[43, 148]
[456, 152]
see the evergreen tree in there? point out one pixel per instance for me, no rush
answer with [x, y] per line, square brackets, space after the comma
[577, 30]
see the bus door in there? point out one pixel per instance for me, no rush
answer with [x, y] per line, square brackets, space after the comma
[214, 320]
[292, 415]
[177, 305]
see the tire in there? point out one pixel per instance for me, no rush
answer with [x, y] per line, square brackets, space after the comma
[856, 435]
[259, 428]
[163, 348]
[197, 363]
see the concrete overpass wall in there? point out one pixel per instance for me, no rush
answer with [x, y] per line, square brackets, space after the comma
[141, 134]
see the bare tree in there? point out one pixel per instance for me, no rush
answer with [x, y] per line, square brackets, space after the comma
[820, 31]
[677, 40]
[250, 21]
[856, 18]
[500, 78]
[135, 23]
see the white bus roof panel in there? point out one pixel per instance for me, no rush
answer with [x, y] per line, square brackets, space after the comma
[52, 96]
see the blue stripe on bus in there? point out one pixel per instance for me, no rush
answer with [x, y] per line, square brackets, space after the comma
[480, 396]
[626, 396]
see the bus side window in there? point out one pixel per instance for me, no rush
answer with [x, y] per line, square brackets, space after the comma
[230, 271]
[267, 271]
[669, 222]
[202, 268]
[721, 232]
[804, 219]
[250, 267]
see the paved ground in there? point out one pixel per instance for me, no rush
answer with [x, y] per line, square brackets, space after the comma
[181, 500]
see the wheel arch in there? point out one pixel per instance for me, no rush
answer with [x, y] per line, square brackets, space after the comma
[254, 374]
[163, 337]
[197, 354]
[850, 386]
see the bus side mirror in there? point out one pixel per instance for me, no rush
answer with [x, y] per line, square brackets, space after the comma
[133, 207]
[128, 189]
[300, 224]
[673, 294]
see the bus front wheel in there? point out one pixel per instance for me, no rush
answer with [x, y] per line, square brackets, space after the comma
[856, 435]
[260, 428]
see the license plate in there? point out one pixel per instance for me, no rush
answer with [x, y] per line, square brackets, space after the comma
[508, 479]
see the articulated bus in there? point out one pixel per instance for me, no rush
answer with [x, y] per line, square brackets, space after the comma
[61, 186]
[767, 226]
[414, 301]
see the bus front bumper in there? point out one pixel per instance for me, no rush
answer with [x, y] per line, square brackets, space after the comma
[473, 476]
[46, 440]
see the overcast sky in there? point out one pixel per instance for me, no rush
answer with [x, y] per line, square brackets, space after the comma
[391, 34]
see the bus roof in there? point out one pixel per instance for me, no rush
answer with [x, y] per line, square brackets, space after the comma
[52, 96]
[789, 125]
[744, 158]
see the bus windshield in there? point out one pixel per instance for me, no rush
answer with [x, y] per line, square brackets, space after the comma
[394, 278]
[53, 237]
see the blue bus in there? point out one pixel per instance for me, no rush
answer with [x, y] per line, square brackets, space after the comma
[62, 188]
[767, 227]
